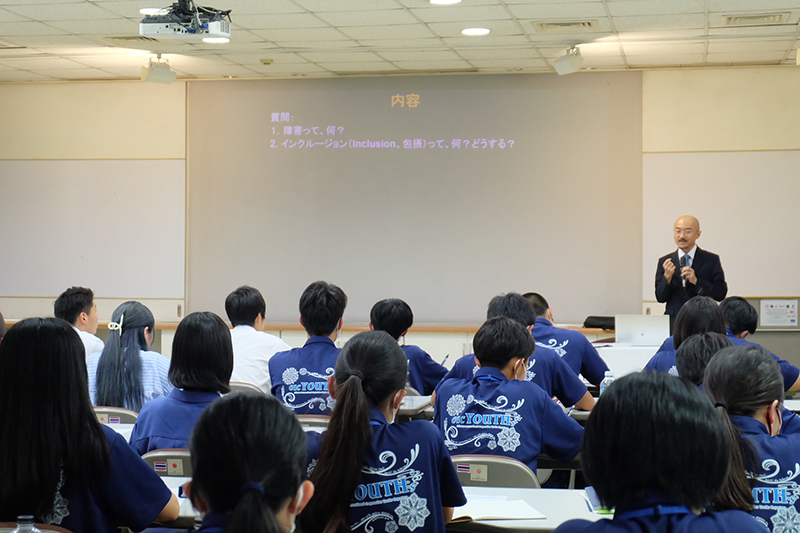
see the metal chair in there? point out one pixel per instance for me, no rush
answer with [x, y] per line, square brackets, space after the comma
[411, 391]
[170, 462]
[115, 415]
[241, 386]
[319, 421]
[494, 471]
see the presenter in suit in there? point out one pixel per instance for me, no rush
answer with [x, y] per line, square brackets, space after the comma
[688, 271]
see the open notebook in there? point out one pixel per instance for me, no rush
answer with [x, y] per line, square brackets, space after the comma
[481, 507]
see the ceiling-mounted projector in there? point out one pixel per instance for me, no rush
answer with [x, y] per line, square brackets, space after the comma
[185, 20]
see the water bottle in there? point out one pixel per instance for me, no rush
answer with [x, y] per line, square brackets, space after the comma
[25, 525]
[608, 380]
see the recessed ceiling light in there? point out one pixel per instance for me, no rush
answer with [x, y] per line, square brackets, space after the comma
[445, 2]
[216, 40]
[154, 11]
[475, 31]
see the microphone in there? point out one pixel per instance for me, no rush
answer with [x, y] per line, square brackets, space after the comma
[683, 264]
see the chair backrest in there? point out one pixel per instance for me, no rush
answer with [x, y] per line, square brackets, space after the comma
[170, 462]
[314, 420]
[7, 527]
[241, 386]
[494, 471]
[115, 415]
[411, 391]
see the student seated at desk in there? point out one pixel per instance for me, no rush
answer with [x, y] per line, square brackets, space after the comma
[200, 368]
[126, 374]
[655, 450]
[572, 346]
[300, 376]
[57, 462]
[76, 306]
[248, 466]
[545, 367]
[701, 314]
[741, 319]
[395, 317]
[746, 386]
[497, 412]
[373, 474]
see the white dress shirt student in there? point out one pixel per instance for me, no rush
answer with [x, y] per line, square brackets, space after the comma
[76, 306]
[252, 348]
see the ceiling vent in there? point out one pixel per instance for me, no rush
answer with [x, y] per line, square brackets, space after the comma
[759, 19]
[566, 26]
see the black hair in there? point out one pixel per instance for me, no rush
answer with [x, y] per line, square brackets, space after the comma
[652, 432]
[700, 314]
[501, 339]
[540, 305]
[49, 426]
[370, 370]
[242, 439]
[739, 315]
[72, 302]
[392, 316]
[696, 351]
[321, 306]
[244, 305]
[514, 306]
[119, 372]
[2, 326]
[202, 354]
[740, 380]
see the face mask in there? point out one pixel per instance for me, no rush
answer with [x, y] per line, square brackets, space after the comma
[294, 518]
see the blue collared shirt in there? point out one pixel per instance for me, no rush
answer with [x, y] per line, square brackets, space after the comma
[423, 372]
[573, 347]
[496, 416]
[300, 376]
[545, 368]
[168, 422]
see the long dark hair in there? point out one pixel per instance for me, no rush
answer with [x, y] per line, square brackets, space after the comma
[240, 443]
[49, 427]
[370, 370]
[202, 354]
[741, 380]
[119, 372]
[700, 314]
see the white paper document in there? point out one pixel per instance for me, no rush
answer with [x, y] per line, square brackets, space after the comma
[482, 509]
[778, 313]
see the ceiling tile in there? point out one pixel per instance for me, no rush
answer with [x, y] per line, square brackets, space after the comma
[427, 3]
[420, 55]
[22, 75]
[745, 57]
[400, 31]
[401, 43]
[75, 73]
[432, 65]
[318, 46]
[46, 12]
[487, 40]
[458, 13]
[641, 49]
[346, 5]
[119, 26]
[659, 22]
[509, 63]
[499, 53]
[368, 18]
[497, 27]
[655, 7]
[287, 69]
[359, 67]
[603, 62]
[748, 46]
[339, 57]
[512, 2]
[291, 20]
[50, 41]
[761, 6]
[130, 8]
[113, 61]
[8, 16]
[651, 60]
[27, 28]
[259, 7]
[278, 58]
[566, 11]
[307, 34]
[40, 64]
[214, 70]
[125, 72]
[27, 2]
[755, 31]
[599, 49]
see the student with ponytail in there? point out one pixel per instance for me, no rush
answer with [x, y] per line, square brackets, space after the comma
[57, 462]
[746, 386]
[125, 374]
[373, 474]
[248, 466]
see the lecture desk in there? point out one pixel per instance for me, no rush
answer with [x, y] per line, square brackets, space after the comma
[623, 358]
[558, 506]
[123, 429]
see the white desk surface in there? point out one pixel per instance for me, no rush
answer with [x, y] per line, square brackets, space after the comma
[792, 405]
[623, 358]
[123, 429]
[413, 405]
[174, 482]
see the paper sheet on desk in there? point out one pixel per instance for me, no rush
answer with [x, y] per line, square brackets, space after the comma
[483, 508]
